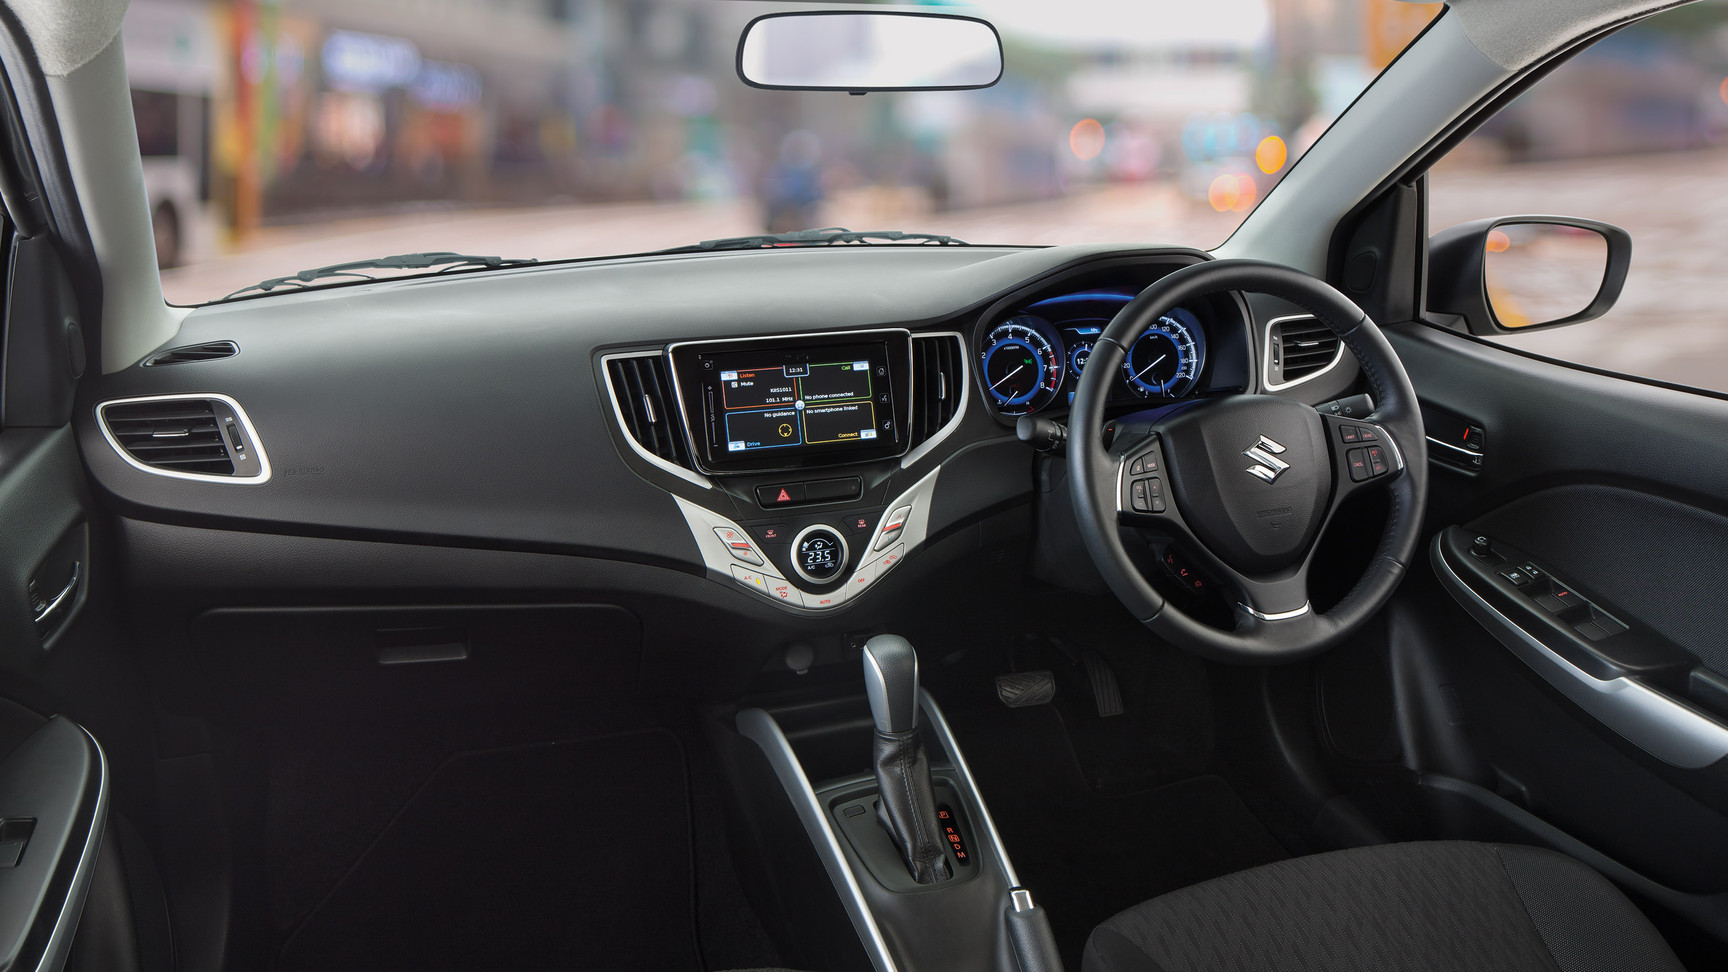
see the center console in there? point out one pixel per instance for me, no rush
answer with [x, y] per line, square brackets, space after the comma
[806, 434]
[909, 845]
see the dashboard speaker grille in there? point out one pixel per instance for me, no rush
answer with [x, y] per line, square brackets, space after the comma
[182, 435]
[935, 384]
[1302, 347]
[645, 400]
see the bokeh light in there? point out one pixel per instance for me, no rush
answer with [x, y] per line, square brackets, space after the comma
[1498, 242]
[1722, 89]
[1232, 192]
[1271, 154]
[1086, 139]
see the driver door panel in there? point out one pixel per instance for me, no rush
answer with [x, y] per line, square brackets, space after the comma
[1616, 491]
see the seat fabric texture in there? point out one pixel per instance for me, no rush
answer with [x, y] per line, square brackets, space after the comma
[1440, 906]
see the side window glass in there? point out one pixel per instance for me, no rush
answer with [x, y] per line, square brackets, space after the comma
[1633, 131]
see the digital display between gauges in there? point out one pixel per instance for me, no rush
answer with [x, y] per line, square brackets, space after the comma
[1022, 364]
[1165, 362]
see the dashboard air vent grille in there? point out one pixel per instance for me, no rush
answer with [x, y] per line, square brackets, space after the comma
[935, 384]
[1301, 347]
[182, 435]
[193, 352]
[647, 405]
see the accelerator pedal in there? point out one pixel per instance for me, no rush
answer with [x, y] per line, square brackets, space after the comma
[1106, 693]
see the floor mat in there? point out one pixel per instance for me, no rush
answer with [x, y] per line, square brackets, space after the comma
[564, 855]
[1086, 856]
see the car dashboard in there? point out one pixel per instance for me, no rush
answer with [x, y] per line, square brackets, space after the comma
[783, 436]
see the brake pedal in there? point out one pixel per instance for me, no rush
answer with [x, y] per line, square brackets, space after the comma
[1106, 693]
[1022, 689]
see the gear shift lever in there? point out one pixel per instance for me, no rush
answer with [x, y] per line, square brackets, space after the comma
[908, 804]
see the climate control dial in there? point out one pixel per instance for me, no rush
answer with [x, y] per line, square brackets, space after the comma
[819, 554]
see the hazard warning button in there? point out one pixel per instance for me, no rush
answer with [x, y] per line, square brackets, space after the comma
[784, 494]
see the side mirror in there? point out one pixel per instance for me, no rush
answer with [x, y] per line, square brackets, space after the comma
[860, 52]
[1521, 273]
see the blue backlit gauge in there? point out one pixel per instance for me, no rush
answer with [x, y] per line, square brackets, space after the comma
[1166, 361]
[1077, 358]
[1021, 364]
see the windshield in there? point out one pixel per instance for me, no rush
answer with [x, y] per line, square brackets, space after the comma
[279, 137]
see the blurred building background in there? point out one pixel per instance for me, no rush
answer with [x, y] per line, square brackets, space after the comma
[258, 114]
[254, 113]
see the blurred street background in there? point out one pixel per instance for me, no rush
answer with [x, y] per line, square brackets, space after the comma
[286, 135]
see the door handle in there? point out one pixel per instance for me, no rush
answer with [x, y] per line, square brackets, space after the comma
[45, 617]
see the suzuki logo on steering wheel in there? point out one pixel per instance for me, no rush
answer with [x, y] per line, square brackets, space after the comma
[1267, 465]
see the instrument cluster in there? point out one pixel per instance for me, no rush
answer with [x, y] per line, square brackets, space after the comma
[1032, 359]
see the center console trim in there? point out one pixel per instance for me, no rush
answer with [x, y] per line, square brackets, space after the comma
[759, 727]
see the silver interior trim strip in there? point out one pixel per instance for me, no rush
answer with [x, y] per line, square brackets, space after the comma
[1278, 615]
[239, 413]
[1662, 726]
[624, 427]
[1266, 358]
[968, 790]
[759, 727]
[964, 361]
[59, 946]
[1448, 445]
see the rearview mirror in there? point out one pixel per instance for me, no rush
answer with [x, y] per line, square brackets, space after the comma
[1520, 273]
[860, 52]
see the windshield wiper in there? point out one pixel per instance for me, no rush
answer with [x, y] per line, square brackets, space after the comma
[403, 261]
[827, 236]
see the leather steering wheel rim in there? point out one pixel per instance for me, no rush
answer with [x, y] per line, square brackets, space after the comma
[1096, 472]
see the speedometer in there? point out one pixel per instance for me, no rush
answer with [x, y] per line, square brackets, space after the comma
[1022, 365]
[1165, 362]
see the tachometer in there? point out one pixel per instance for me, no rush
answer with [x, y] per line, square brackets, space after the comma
[1165, 362]
[1022, 365]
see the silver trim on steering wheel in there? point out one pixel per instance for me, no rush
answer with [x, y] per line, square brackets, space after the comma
[1277, 616]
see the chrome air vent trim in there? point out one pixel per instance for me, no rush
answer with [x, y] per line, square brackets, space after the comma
[1266, 356]
[962, 380]
[240, 416]
[624, 425]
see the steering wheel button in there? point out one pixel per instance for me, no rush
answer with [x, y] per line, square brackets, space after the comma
[1377, 465]
[1357, 460]
[1367, 433]
[1137, 467]
[1155, 493]
[1350, 433]
[1138, 497]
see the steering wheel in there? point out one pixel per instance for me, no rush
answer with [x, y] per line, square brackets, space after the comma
[1247, 483]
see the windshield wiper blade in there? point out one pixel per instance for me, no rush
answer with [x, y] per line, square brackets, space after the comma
[401, 261]
[827, 236]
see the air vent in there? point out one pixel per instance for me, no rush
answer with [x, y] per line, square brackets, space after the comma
[205, 437]
[647, 407]
[935, 384]
[194, 352]
[1301, 347]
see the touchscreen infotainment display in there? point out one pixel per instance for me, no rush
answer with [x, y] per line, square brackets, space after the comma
[780, 406]
[775, 406]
